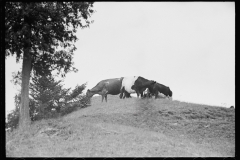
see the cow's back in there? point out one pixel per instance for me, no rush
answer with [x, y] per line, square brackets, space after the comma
[128, 82]
[162, 89]
[114, 85]
[99, 86]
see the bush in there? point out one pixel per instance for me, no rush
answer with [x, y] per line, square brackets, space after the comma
[82, 102]
[12, 120]
[46, 111]
[48, 99]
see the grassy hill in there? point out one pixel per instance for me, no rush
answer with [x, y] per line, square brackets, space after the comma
[130, 128]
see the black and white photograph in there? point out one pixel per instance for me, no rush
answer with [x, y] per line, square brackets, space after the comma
[119, 79]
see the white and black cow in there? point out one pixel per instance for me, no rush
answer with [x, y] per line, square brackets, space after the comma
[135, 84]
[127, 83]
[105, 87]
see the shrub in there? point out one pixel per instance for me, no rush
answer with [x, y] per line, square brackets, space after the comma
[42, 106]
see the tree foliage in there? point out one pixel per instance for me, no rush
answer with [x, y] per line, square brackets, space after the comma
[42, 27]
[33, 31]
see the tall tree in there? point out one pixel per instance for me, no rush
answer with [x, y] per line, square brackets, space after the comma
[34, 30]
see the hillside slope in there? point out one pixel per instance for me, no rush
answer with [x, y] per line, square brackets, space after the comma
[131, 128]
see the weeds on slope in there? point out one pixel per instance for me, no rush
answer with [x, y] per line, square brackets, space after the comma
[200, 122]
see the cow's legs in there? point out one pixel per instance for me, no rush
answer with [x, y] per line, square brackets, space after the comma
[124, 96]
[120, 96]
[106, 97]
[140, 94]
[124, 93]
[137, 93]
[102, 97]
[121, 93]
[156, 94]
[104, 94]
[127, 95]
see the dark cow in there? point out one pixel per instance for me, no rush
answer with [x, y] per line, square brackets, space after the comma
[141, 84]
[231, 107]
[105, 87]
[157, 87]
[135, 84]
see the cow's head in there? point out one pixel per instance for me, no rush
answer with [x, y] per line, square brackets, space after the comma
[89, 94]
[170, 92]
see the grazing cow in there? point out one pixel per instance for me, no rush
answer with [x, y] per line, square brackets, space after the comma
[160, 88]
[141, 84]
[105, 87]
[231, 107]
[135, 84]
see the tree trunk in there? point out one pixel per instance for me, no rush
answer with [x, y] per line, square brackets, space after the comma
[24, 120]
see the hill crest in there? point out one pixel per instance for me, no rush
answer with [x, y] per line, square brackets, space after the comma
[131, 127]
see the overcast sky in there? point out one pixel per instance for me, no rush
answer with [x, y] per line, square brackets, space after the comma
[188, 46]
